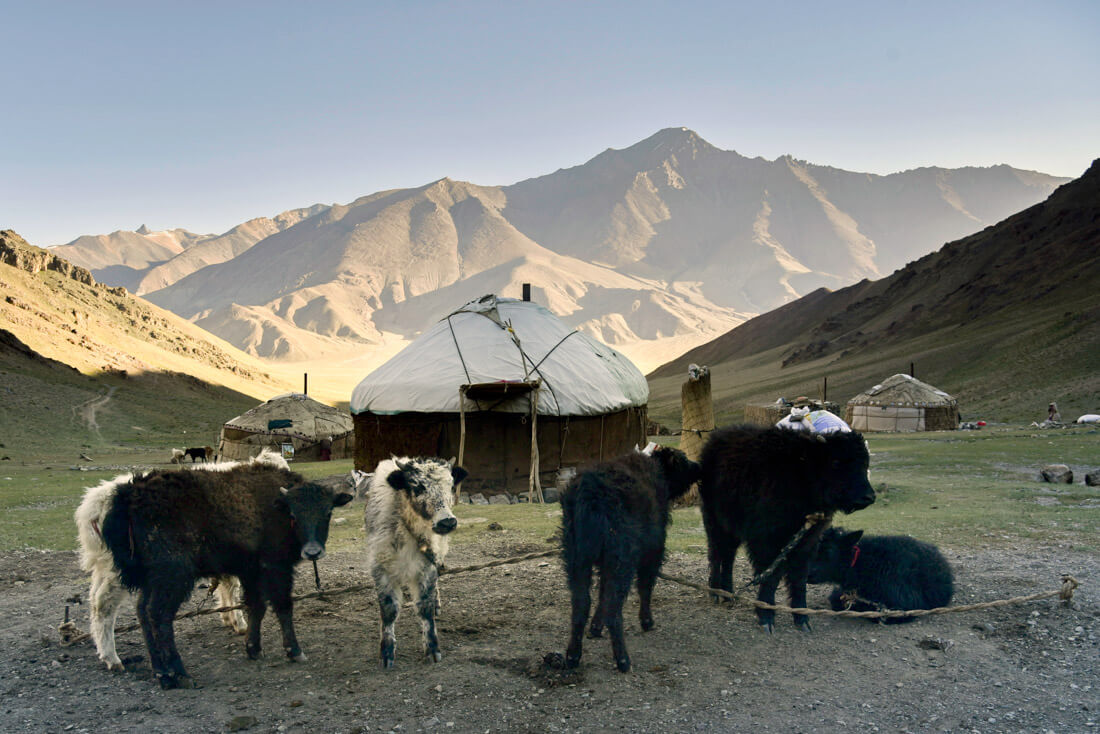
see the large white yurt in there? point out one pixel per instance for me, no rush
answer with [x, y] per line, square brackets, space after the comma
[509, 389]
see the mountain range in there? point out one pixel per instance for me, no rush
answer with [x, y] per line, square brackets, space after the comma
[1006, 320]
[654, 249]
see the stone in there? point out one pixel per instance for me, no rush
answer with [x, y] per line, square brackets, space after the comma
[478, 499]
[1092, 479]
[1056, 474]
[500, 499]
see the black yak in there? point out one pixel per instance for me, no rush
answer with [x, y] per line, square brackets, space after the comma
[164, 530]
[757, 487]
[615, 515]
[887, 571]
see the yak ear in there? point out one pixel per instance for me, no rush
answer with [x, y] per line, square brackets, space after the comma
[853, 537]
[396, 479]
[458, 474]
[453, 460]
[280, 500]
[342, 499]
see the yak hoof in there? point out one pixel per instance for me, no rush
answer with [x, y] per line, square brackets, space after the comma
[768, 627]
[595, 633]
[169, 681]
[387, 663]
[623, 664]
[299, 657]
[804, 625]
[647, 624]
[115, 665]
[254, 653]
[433, 656]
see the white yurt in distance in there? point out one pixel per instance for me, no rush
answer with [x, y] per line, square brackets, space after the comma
[902, 403]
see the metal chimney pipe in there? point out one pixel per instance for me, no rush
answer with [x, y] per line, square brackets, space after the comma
[527, 291]
[305, 383]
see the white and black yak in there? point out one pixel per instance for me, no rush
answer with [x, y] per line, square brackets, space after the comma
[614, 516]
[408, 518]
[883, 571]
[157, 533]
[757, 487]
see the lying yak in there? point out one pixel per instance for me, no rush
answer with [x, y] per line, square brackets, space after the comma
[757, 487]
[883, 571]
[164, 530]
[614, 516]
[408, 517]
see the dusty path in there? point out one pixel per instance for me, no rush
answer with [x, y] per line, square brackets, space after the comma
[86, 411]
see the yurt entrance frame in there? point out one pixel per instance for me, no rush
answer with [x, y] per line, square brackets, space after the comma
[500, 392]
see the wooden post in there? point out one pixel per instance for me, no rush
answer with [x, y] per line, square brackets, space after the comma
[697, 420]
[534, 484]
[461, 433]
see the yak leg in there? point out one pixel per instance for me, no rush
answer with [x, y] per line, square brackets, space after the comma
[227, 591]
[721, 550]
[580, 590]
[159, 605]
[106, 597]
[599, 619]
[618, 578]
[427, 605]
[797, 571]
[389, 602]
[647, 578]
[277, 588]
[254, 602]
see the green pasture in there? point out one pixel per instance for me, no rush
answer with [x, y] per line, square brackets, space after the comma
[959, 489]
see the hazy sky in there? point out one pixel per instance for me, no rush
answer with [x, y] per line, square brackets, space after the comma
[204, 114]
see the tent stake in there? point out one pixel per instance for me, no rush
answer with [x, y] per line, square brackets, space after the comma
[461, 433]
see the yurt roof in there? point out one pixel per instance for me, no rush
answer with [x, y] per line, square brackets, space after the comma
[901, 389]
[507, 342]
[294, 414]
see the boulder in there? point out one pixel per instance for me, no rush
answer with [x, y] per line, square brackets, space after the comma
[478, 499]
[1056, 474]
[500, 499]
[1092, 479]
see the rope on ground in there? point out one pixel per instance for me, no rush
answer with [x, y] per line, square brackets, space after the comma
[71, 634]
[1065, 593]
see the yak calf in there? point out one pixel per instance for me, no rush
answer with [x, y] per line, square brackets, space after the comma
[757, 487]
[164, 530]
[407, 519]
[884, 571]
[615, 515]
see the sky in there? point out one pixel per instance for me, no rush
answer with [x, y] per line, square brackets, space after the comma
[203, 115]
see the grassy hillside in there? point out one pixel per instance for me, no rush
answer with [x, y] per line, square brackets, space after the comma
[83, 366]
[1006, 320]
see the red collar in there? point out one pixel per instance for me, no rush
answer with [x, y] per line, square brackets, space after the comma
[855, 556]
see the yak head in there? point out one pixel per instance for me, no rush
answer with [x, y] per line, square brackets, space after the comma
[834, 555]
[310, 506]
[841, 462]
[679, 471]
[428, 487]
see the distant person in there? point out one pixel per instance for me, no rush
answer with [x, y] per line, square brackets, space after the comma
[326, 448]
[1052, 413]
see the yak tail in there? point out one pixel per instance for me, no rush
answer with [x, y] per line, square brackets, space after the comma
[118, 534]
[586, 527]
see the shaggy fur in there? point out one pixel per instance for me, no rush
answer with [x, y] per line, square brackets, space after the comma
[614, 516]
[890, 571]
[157, 533]
[408, 517]
[758, 485]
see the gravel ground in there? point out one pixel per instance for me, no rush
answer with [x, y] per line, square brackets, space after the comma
[1025, 668]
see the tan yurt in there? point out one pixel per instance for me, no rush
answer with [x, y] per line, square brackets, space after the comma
[509, 389]
[902, 403]
[294, 424]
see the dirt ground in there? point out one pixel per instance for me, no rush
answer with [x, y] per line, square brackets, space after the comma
[1026, 668]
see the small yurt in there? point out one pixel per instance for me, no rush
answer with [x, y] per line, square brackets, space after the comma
[294, 424]
[508, 389]
[902, 403]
